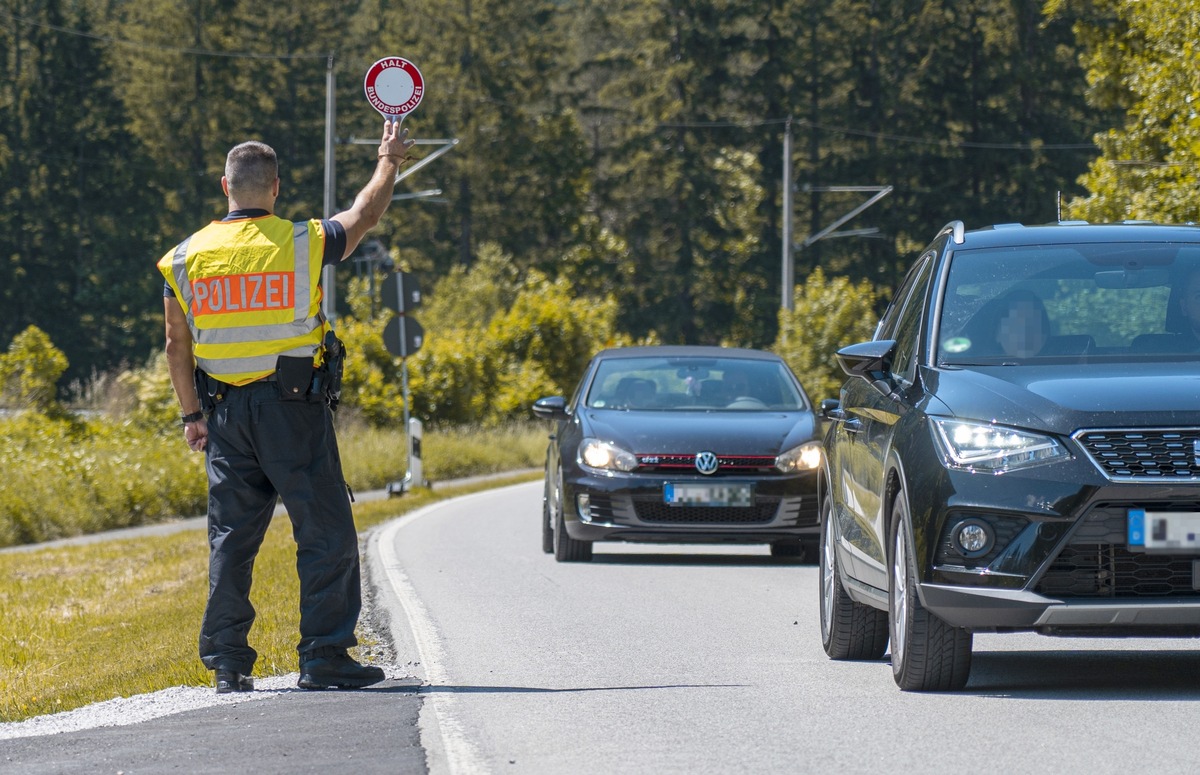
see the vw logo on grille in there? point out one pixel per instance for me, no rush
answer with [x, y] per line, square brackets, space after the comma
[706, 462]
[1196, 451]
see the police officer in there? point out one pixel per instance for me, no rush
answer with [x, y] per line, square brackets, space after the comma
[248, 353]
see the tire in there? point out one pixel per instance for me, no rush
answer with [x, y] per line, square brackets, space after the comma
[928, 655]
[548, 514]
[567, 549]
[849, 630]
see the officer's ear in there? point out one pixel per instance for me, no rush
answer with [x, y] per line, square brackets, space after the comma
[225, 184]
[275, 189]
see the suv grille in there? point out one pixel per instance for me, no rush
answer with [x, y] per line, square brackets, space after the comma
[1110, 570]
[1096, 563]
[1142, 455]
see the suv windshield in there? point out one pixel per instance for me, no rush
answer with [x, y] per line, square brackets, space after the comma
[1066, 302]
[689, 384]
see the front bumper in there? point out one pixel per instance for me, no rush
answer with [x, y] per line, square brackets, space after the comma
[632, 508]
[998, 610]
[1061, 561]
[1060, 531]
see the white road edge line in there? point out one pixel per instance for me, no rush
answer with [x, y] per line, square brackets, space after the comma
[458, 754]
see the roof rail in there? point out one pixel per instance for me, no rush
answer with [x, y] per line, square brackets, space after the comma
[957, 231]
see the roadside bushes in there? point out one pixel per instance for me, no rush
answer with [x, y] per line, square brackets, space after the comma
[75, 472]
[30, 370]
[828, 313]
[66, 476]
[495, 343]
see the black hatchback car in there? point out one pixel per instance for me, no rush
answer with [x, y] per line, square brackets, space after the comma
[1018, 449]
[682, 444]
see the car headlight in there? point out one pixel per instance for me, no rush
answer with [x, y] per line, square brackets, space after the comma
[806, 457]
[992, 449]
[595, 453]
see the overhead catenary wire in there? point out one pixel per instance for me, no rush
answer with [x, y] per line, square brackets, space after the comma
[802, 123]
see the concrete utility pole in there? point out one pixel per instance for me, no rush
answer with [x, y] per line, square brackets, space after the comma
[328, 274]
[789, 277]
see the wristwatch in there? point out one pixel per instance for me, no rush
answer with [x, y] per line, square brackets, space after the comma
[193, 417]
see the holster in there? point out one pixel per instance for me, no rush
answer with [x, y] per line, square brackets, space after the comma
[331, 372]
[206, 390]
[294, 376]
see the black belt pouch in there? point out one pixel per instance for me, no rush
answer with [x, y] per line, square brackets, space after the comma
[294, 376]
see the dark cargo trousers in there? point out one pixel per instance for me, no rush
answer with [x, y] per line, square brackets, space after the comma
[258, 446]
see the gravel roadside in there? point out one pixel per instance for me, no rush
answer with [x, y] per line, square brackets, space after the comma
[374, 629]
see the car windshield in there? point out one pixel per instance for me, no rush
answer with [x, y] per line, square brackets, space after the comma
[692, 384]
[1105, 301]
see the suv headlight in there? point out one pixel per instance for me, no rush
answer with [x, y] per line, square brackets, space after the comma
[806, 457]
[605, 455]
[992, 449]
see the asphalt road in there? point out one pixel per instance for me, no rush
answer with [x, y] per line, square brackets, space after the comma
[293, 731]
[653, 660]
[685, 660]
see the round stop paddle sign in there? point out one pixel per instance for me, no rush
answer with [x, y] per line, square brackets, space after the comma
[394, 87]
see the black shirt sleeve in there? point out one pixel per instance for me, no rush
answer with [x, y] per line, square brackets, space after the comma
[335, 242]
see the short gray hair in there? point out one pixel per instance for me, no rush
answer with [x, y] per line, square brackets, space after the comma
[251, 168]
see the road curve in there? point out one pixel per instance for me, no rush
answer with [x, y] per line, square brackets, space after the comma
[675, 659]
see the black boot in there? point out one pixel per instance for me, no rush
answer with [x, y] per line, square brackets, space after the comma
[233, 681]
[337, 671]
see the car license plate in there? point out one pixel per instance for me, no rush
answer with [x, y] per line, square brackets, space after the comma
[708, 494]
[1164, 530]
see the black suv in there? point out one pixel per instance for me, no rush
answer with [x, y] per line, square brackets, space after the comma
[1018, 449]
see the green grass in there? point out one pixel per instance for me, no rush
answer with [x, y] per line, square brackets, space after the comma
[69, 477]
[65, 478]
[116, 618]
[372, 457]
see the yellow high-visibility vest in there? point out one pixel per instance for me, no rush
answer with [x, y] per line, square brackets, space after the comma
[251, 291]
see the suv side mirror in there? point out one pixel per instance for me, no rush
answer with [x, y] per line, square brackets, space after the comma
[551, 408]
[831, 408]
[871, 361]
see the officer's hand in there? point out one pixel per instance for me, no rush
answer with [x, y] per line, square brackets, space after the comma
[196, 434]
[395, 142]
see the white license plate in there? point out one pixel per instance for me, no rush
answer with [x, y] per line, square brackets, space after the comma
[1157, 531]
[708, 494]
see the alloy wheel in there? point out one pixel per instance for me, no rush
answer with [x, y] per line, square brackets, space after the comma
[827, 579]
[899, 596]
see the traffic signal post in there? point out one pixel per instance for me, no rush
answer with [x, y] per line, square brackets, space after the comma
[403, 336]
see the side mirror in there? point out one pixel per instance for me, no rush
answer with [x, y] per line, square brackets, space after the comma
[871, 361]
[831, 407]
[551, 408]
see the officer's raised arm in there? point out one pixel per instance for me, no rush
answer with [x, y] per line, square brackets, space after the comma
[372, 202]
